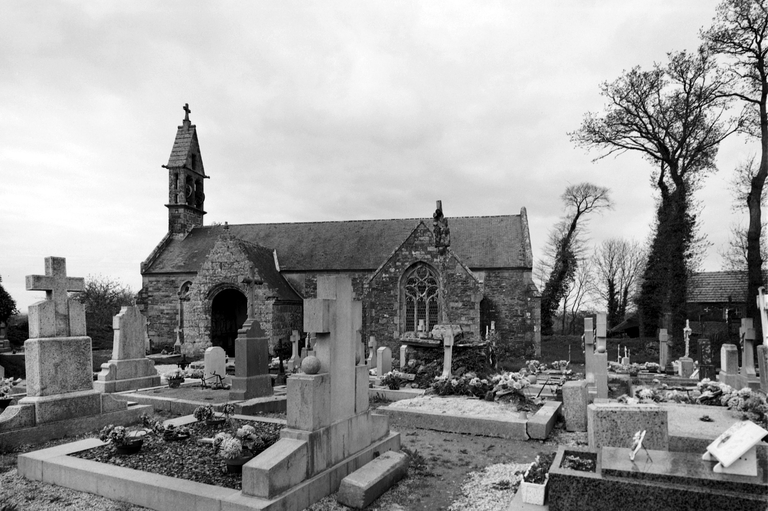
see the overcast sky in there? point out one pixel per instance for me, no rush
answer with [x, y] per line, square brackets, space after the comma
[309, 111]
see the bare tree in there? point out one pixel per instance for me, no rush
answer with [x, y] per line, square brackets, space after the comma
[675, 117]
[579, 200]
[618, 265]
[103, 297]
[740, 34]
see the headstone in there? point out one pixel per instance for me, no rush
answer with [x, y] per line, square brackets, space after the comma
[129, 368]
[575, 401]
[294, 363]
[58, 357]
[729, 367]
[372, 352]
[600, 359]
[330, 431]
[706, 365]
[747, 335]
[589, 351]
[762, 361]
[448, 334]
[663, 348]
[216, 361]
[5, 344]
[403, 356]
[383, 361]
[614, 425]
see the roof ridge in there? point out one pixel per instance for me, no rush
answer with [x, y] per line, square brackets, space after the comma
[416, 219]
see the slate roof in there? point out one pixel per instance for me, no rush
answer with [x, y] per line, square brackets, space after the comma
[185, 148]
[482, 242]
[264, 261]
[717, 287]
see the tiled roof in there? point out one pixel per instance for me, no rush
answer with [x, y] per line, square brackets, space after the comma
[483, 242]
[717, 287]
[186, 149]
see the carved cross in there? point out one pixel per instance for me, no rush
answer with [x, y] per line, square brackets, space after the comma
[687, 335]
[56, 285]
[252, 282]
[187, 111]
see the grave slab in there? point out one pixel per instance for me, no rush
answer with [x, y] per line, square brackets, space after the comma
[614, 424]
[367, 483]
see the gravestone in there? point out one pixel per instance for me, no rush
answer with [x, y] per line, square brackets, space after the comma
[589, 351]
[729, 367]
[294, 363]
[614, 425]
[403, 356]
[59, 365]
[747, 335]
[448, 334]
[706, 365]
[383, 361]
[762, 360]
[330, 431]
[596, 358]
[216, 361]
[129, 368]
[686, 362]
[372, 353]
[5, 344]
[663, 348]
[575, 401]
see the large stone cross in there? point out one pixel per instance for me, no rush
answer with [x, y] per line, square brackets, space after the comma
[251, 281]
[57, 315]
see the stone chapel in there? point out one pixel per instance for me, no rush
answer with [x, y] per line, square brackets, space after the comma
[468, 271]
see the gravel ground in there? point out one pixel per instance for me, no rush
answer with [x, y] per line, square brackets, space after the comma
[471, 407]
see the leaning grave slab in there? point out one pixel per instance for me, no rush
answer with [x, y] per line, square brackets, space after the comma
[61, 399]
[330, 433]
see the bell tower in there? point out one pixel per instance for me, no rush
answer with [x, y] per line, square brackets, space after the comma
[185, 180]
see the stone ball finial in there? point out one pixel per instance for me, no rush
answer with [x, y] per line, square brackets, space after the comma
[601, 349]
[310, 365]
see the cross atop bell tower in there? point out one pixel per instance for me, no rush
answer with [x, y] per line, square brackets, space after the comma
[185, 179]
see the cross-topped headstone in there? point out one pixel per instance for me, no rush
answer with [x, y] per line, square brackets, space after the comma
[187, 111]
[57, 315]
[295, 361]
[687, 336]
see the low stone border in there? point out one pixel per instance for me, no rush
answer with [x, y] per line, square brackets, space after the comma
[178, 406]
[163, 493]
[71, 427]
[538, 426]
[394, 395]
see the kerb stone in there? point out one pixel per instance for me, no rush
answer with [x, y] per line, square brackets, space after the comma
[367, 483]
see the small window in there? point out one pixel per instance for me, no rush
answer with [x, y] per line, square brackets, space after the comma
[420, 295]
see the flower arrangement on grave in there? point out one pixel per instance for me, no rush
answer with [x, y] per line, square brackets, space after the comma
[169, 432]
[534, 366]
[174, 377]
[538, 472]
[228, 410]
[6, 384]
[120, 436]
[466, 385]
[250, 440]
[203, 413]
[534, 484]
[652, 367]
[230, 447]
[195, 373]
[562, 366]
[393, 379]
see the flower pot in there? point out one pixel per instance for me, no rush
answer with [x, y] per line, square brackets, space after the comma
[534, 493]
[5, 402]
[176, 437]
[532, 378]
[235, 465]
[131, 447]
[175, 383]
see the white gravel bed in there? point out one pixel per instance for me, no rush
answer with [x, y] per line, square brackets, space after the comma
[490, 489]
[459, 405]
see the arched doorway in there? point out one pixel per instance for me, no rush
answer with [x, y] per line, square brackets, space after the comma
[228, 313]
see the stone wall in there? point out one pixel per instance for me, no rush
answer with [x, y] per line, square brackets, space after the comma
[460, 292]
[158, 300]
[512, 301]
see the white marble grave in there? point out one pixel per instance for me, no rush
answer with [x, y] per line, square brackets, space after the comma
[215, 359]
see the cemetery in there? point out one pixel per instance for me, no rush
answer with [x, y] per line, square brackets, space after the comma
[334, 354]
[248, 443]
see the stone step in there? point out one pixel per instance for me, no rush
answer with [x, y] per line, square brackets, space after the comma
[370, 481]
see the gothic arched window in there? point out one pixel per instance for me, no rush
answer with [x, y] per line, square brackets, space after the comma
[420, 293]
